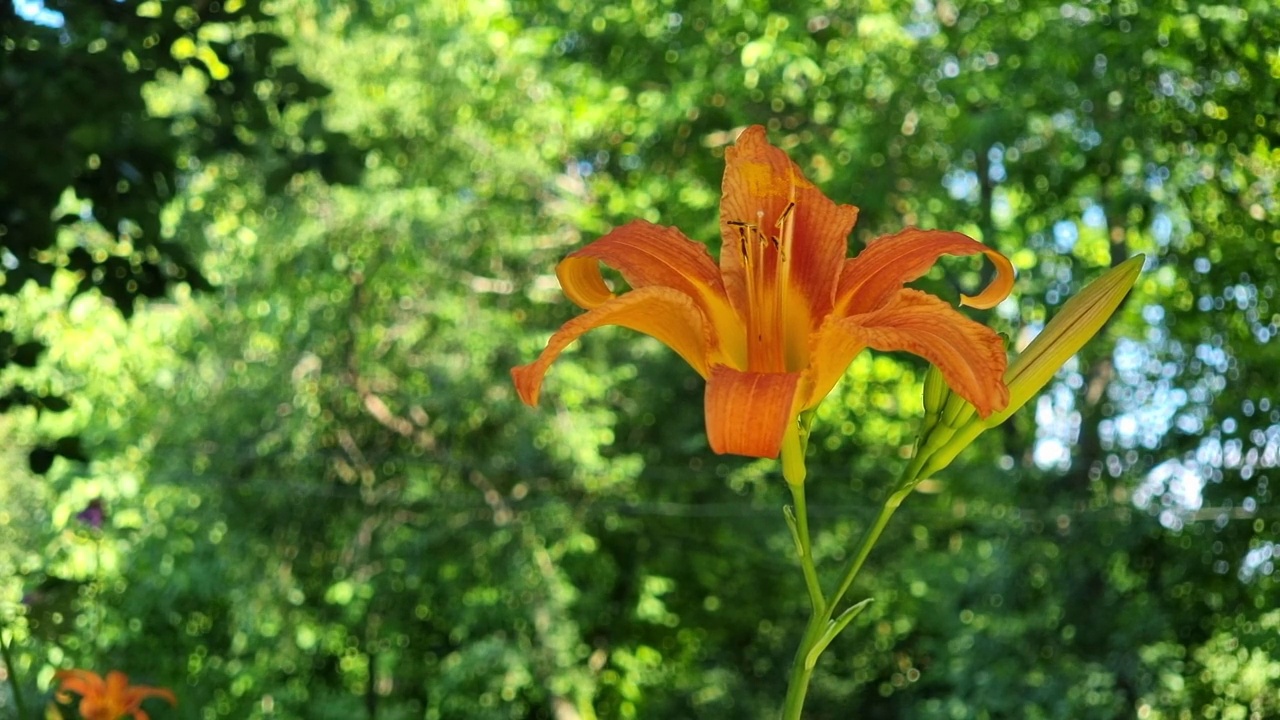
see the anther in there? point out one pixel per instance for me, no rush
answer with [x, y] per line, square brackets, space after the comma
[785, 214]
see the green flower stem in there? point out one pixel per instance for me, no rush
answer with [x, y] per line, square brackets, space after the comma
[821, 629]
[869, 539]
[18, 702]
[801, 670]
[804, 548]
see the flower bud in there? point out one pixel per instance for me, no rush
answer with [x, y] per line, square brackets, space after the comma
[1076, 323]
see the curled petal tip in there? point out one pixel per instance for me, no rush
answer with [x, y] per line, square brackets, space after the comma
[998, 289]
[581, 281]
[528, 382]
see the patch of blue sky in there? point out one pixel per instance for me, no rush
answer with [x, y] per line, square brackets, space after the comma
[36, 12]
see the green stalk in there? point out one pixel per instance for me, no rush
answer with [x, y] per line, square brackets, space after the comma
[801, 670]
[799, 521]
[18, 702]
[869, 539]
[821, 629]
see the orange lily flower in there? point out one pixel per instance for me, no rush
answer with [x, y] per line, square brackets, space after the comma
[110, 699]
[775, 325]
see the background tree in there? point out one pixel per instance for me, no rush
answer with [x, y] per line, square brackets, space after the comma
[90, 164]
[326, 500]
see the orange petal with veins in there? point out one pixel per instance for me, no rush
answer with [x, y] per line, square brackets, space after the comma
[644, 254]
[648, 255]
[887, 263]
[971, 356]
[759, 182]
[666, 314]
[747, 412]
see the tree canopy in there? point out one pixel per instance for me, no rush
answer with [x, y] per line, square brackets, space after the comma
[265, 274]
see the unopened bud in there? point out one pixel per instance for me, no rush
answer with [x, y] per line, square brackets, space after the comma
[1076, 323]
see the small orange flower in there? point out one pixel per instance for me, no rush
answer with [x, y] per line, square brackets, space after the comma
[110, 699]
[774, 327]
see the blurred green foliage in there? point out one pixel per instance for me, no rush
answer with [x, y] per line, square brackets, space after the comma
[324, 499]
[97, 144]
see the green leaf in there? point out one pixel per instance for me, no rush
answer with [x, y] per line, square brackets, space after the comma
[834, 628]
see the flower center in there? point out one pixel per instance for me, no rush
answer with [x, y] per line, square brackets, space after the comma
[766, 259]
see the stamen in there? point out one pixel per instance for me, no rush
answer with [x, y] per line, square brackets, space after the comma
[751, 268]
[742, 240]
[786, 211]
[782, 299]
[760, 311]
[764, 285]
[783, 223]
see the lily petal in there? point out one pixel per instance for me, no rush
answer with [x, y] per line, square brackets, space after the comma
[970, 356]
[117, 683]
[142, 692]
[648, 255]
[138, 693]
[760, 182]
[873, 277]
[666, 314]
[747, 412]
[109, 699]
[81, 682]
[644, 254]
